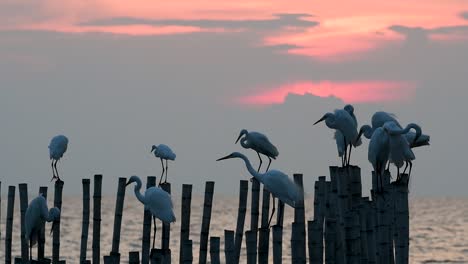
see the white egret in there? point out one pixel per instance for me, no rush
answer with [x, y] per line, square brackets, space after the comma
[400, 150]
[163, 152]
[342, 121]
[157, 201]
[259, 143]
[378, 155]
[36, 215]
[57, 147]
[276, 182]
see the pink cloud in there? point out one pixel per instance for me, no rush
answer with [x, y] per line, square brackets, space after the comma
[349, 92]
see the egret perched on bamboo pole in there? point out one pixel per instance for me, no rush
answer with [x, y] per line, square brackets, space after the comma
[260, 144]
[57, 147]
[276, 182]
[163, 152]
[157, 201]
[379, 152]
[36, 215]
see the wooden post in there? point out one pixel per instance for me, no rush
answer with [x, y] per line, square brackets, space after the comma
[9, 223]
[363, 232]
[299, 219]
[134, 257]
[166, 231]
[251, 246]
[119, 203]
[185, 222]
[340, 201]
[146, 237]
[229, 247]
[243, 190]
[279, 213]
[85, 221]
[156, 256]
[277, 244]
[41, 237]
[56, 233]
[355, 186]
[23, 192]
[330, 237]
[297, 254]
[254, 206]
[315, 243]
[214, 250]
[187, 248]
[263, 244]
[371, 232]
[402, 221]
[97, 218]
[205, 228]
[353, 244]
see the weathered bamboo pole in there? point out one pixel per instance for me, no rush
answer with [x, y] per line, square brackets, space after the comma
[355, 185]
[185, 222]
[243, 190]
[119, 204]
[166, 231]
[353, 244]
[299, 219]
[205, 228]
[156, 256]
[320, 201]
[147, 219]
[134, 257]
[330, 237]
[371, 232]
[279, 213]
[85, 221]
[265, 207]
[23, 192]
[402, 221]
[41, 236]
[277, 244]
[229, 253]
[383, 231]
[297, 252]
[338, 195]
[263, 244]
[214, 250]
[251, 246]
[9, 223]
[187, 247]
[363, 232]
[315, 241]
[254, 211]
[97, 218]
[56, 233]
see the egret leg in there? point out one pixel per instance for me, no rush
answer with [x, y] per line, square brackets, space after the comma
[349, 154]
[342, 161]
[272, 212]
[53, 171]
[260, 158]
[56, 171]
[388, 166]
[166, 172]
[410, 167]
[154, 230]
[406, 166]
[162, 173]
[346, 150]
[268, 163]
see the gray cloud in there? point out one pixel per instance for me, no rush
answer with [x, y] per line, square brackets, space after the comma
[464, 15]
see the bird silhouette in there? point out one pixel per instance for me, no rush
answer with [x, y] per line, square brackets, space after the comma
[163, 152]
[378, 154]
[260, 144]
[57, 147]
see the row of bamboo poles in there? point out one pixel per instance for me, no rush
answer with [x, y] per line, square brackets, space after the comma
[347, 228]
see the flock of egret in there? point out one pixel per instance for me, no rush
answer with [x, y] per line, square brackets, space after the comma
[389, 143]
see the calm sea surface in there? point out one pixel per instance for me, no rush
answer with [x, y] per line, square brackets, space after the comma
[438, 226]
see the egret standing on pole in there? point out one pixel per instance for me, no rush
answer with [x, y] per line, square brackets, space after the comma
[260, 144]
[378, 155]
[163, 152]
[276, 182]
[157, 201]
[35, 217]
[57, 147]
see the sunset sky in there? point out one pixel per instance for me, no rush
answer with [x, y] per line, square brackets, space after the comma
[119, 76]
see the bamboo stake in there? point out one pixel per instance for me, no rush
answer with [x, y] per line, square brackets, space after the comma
[9, 223]
[41, 237]
[263, 244]
[402, 221]
[297, 240]
[188, 257]
[119, 204]
[371, 232]
[205, 229]
[146, 237]
[251, 246]
[56, 233]
[85, 221]
[23, 192]
[363, 232]
[243, 190]
[315, 243]
[166, 231]
[185, 222]
[97, 218]
[134, 257]
[330, 241]
[229, 247]
[214, 250]
[277, 244]
[299, 218]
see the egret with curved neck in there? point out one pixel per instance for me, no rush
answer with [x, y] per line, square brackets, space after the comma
[259, 143]
[276, 182]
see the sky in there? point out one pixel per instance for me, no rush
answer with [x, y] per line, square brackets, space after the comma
[117, 77]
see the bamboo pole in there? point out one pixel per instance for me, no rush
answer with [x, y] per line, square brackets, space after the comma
[134, 257]
[187, 247]
[363, 232]
[315, 244]
[185, 222]
[254, 211]
[299, 218]
[330, 237]
[251, 246]
[339, 195]
[371, 232]
[297, 252]
[9, 223]
[205, 228]
[229, 247]
[23, 192]
[243, 190]
[166, 231]
[214, 250]
[277, 244]
[97, 218]
[353, 244]
[355, 186]
[279, 213]
[156, 256]
[85, 220]
[41, 237]
[263, 244]
[402, 221]
[119, 204]
[146, 236]
[56, 233]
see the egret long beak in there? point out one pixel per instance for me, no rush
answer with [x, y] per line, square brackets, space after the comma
[54, 226]
[238, 138]
[359, 135]
[223, 158]
[128, 183]
[320, 120]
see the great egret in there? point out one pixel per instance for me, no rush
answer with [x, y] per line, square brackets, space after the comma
[379, 151]
[342, 121]
[57, 147]
[157, 201]
[260, 144]
[276, 182]
[35, 217]
[163, 152]
[400, 150]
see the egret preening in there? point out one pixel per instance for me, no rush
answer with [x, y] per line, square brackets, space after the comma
[57, 147]
[36, 215]
[276, 182]
[163, 152]
[400, 150]
[157, 201]
[260, 144]
[342, 121]
[378, 155]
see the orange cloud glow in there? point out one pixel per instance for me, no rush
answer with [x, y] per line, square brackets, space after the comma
[349, 92]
